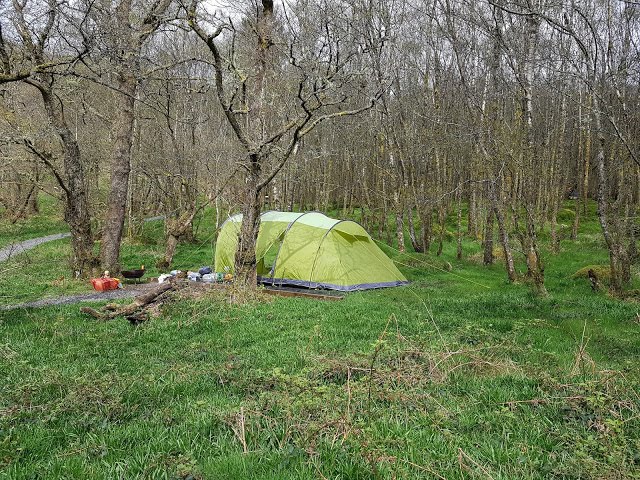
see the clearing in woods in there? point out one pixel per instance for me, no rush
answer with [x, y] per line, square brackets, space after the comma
[441, 379]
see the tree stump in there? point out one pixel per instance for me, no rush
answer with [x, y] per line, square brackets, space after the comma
[593, 278]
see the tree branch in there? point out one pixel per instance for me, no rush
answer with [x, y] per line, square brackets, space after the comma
[209, 40]
[44, 158]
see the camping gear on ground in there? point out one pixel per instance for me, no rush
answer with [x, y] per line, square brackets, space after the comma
[311, 250]
[173, 273]
[105, 284]
[164, 277]
[213, 277]
[205, 270]
[194, 276]
[133, 274]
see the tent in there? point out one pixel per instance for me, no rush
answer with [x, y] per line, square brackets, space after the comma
[311, 250]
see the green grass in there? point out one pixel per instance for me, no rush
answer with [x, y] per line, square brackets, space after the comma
[48, 221]
[467, 381]
[45, 270]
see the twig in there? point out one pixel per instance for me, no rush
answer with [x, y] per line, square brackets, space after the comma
[243, 438]
[319, 472]
[424, 469]
[348, 397]
[535, 401]
[376, 351]
[461, 454]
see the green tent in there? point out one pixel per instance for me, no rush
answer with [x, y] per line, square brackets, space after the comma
[311, 250]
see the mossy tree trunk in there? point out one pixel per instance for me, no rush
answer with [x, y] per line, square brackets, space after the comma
[71, 177]
[245, 259]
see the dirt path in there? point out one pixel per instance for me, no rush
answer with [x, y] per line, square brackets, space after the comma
[127, 292]
[20, 247]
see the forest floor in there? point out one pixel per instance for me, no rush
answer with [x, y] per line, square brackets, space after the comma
[457, 375]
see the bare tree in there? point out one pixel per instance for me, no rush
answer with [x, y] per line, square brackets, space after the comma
[321, 72]
[31, 64]
[127, 28]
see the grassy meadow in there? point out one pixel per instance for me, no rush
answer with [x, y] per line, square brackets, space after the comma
[458, 375]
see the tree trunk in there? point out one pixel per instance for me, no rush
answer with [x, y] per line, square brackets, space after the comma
[459, 224]
[506, 247]
[169, 251]
[615, 251]
[555, 240]
[180, 228]
[415, 242]
[28, 206]
[535, 269]
[579, 166]
[632, 250]
[587, 158]
[442, 216]
[399, 222]
[472, 228]
[557, 177]
[245, 260]
[32, 199]
[488, 237]
[576, 222]
[382, 222]
[426, 227]
[120, 169]
[76, 211]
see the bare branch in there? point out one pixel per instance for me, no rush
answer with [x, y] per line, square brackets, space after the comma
[44, 158]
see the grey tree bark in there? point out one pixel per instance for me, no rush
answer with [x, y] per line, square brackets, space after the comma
[71, 178]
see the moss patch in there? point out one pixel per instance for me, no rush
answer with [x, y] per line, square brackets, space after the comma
[603, 272]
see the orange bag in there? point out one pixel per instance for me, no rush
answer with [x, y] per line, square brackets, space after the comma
[104, 284]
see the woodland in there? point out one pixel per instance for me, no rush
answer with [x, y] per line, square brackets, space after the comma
[402, 110]
[490, 148]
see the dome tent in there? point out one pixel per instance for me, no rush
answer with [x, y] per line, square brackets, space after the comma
[311, 250]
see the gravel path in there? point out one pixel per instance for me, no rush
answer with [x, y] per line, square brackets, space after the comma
[17, 248]
[14, 249]
[135, 290]
[127, 292]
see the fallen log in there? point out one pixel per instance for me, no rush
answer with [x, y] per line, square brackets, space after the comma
[303, 294]
[134, 309]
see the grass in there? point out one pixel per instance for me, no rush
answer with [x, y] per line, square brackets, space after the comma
[49, 221]
[45, 271]
[441, 379]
